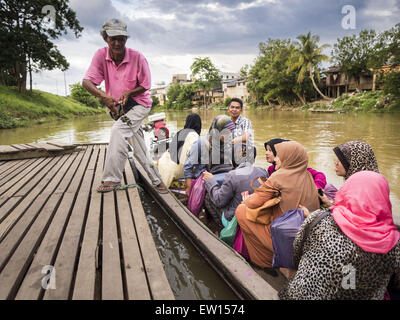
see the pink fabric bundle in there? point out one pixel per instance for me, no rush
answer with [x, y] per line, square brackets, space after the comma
[239, 245]
[363, 212]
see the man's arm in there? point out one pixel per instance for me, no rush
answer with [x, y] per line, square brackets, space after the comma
[108, 100]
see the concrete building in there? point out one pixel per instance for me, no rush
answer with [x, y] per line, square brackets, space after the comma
[235, 89]
[160, 93]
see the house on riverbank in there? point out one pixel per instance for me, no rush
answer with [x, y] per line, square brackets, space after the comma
[337, 82]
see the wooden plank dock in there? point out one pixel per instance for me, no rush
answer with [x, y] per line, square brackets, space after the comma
[34, 150]
[60, 239]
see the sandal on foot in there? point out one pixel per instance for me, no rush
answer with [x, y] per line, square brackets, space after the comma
[161, 188]
[107, 187]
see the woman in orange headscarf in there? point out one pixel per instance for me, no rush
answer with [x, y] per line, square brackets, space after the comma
[295, 187]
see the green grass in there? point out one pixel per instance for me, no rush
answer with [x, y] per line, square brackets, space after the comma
[367, 101]
[19, 110]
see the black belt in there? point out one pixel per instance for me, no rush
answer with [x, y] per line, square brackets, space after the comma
[126, 108]
[129, 105]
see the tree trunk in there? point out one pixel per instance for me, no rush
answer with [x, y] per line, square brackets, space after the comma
[20, 76]
[30, 75]
[315, 86]
[301, 98]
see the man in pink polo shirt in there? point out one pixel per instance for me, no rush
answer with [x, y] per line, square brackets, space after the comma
[127, 79]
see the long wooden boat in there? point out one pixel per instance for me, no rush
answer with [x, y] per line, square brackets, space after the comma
[247, 281]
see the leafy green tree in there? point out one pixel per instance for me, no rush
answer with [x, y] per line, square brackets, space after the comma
[356, 54]
[306, 58]
[155, 100]
[25, 38]
[206, 75]
[80, 94]
[180, 96]
[387, 49]
[268, 78]
[392, 85]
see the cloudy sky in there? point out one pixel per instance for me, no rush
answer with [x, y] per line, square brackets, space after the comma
[171, 33]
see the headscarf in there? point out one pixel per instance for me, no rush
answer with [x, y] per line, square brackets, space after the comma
[356, 156]
[271, 143]
[292, 179]
[363, 212]
[193, 123]
[223, 124]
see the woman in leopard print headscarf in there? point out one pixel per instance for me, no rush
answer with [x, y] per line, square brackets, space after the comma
[356, 156]
[352, 157]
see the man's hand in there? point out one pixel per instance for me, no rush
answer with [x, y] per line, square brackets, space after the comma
[123, 99]
[109, 102]
[207, 175]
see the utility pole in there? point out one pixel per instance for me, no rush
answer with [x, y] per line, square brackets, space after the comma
[65, 85]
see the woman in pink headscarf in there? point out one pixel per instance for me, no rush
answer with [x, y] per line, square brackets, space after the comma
[353, 251]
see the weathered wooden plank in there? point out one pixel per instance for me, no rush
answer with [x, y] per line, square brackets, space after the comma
[22, 147]
[111, 277]
[84, 288]
[65, 146]
[19, 246]
[159, 285]
[8, 149]
[30, 287]
[12, 186]
[13, 170]
[45, 146]
[38, 186]
[136, 283]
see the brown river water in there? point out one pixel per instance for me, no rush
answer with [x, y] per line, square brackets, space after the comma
[318, 132]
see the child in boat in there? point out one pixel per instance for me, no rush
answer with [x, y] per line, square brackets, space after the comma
[228, 196]
[353, 251]
[295, 186]
[319, 177]
[170, 165]
[351, 157]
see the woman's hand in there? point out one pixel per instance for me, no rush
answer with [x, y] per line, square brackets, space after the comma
[207, 175]
[325, 201]
[305, 211]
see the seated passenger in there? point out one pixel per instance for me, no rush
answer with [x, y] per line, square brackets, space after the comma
[352, 157]
[212, 152]
[170, 165]
[319, 177]
[295, 186]
[228, 196]
[353, 251]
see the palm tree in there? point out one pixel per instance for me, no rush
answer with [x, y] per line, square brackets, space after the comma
[306, 58]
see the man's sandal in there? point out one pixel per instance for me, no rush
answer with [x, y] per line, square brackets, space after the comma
[103, 188]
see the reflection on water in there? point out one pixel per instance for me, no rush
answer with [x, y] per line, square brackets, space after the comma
[318, 132]
[189, 275]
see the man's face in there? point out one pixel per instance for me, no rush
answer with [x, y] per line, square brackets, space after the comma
[116, 44]
[234, 109]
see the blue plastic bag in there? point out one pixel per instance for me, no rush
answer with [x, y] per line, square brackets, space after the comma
[283, 232]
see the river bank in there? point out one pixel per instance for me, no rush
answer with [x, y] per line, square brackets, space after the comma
[367, 101]
[22, 110]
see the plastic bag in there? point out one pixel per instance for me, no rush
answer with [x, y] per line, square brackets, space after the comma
[228, 233]
[283, 232]
[196, 197]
